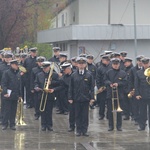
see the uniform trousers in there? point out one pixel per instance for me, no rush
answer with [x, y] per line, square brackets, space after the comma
[9, 114]
[72, 116]
[144, 109]
[81, 116]
[136, 105]
[127, 106]
[29, 95]
[46, 115]
[102, 103]
[36, 104]
[63, 103]
[110, 115]
[2, 107]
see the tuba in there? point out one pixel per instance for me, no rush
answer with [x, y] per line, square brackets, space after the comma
[147, 74]
[46, 89]
[56, 68]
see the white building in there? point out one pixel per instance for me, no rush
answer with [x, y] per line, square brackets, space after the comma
[92, 26]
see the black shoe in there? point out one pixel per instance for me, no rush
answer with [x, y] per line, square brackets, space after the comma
[4, 127]
[85, 134]
[141, 129]
[78, 134]
[37, 117]
[92, 107]
[110, 129]
[59, 112]
[101, 118]
[43, 128]
[65, 113]
[29, 106]
[126, 118]
[119, 129]
[135, 123]
[13, 128]
[49, 128]
[70, 130]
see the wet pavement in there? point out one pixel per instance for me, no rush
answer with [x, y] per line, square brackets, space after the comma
[30, 137]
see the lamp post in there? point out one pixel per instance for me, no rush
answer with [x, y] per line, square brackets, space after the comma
[109, 11]
[135, 34]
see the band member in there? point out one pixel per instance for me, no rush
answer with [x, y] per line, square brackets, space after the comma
[74, 64]
[122, 57]
[3, 67]
[11, 93]
[40, 81]
[81, 92]
[1, 56]
[115, 79]
[34, 72]
[83, 55]
[30, 63]
[101, 95]
[132, 87]
[23, 56]
[127, 103]
[115, 55]
[63, 92]
[62, 58]
[142, 93]
[100, 62]
[55, 58]
[17, 56]
[107, 52]
[65, 80]
[90, 66]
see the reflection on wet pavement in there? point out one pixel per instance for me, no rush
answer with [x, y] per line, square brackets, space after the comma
[30, 137]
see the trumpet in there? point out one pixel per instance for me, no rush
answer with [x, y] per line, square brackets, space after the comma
[131, 93]
[101, 89]
[19, 114]
[46, 89]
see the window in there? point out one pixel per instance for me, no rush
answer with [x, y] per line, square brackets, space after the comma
[74, 17]
[63, 46]
[63, 24]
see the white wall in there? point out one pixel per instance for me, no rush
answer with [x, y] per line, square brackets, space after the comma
[69, 12]
[93, 11]
[97, 47]
[118, 7]
[96, 12]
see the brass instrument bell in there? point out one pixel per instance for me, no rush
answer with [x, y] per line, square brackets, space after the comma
[147, 74]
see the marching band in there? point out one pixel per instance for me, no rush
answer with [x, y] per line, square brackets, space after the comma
[68, 86]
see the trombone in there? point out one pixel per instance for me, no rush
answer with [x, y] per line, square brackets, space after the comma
[20, 115]
[46, 89]
[115, 97]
